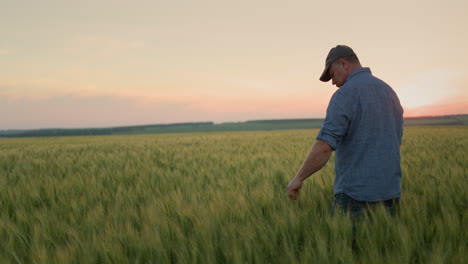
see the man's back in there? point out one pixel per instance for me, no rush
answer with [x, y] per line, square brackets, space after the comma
[364, 126]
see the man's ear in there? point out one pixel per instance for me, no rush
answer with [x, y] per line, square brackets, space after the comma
[345, 64]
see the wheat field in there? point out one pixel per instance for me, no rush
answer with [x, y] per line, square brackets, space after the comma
[220, 198]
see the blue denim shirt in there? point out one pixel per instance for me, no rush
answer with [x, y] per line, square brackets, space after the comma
[364, 126]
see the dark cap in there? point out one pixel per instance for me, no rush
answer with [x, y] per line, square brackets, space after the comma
[335, 53]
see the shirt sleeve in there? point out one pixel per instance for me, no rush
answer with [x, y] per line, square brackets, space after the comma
[336, 123]
[401, 125]
[398, 112]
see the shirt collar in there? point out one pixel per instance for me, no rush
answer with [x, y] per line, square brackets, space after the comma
[358, 71]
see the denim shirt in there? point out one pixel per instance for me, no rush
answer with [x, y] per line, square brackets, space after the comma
[364, 126]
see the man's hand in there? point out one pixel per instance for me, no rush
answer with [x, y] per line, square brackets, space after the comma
[293, 188]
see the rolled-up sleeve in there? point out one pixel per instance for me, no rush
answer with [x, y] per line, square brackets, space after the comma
[336, 123]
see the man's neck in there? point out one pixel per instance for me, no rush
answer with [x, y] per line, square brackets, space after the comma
[353, 67]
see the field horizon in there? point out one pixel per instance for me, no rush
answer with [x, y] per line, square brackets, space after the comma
[252, 125]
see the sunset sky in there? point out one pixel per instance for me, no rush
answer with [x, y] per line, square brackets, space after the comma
[107, 63]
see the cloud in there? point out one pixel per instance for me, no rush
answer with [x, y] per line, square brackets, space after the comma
[94, 108]
[86, 111]
[52, 102]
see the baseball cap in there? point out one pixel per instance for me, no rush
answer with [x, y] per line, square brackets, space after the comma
[335, 53]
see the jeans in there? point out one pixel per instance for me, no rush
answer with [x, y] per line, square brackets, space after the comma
[357, 208]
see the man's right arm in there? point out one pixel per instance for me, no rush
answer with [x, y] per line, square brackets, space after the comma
[317, 158]
[335, 125]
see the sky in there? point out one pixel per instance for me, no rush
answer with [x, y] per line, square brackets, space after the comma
[101, 63]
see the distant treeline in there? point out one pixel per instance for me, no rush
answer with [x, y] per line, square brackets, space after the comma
[275, 124]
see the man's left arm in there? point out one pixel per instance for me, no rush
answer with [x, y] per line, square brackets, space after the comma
[317, 158]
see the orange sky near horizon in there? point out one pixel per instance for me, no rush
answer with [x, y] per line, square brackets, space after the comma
[116, 63]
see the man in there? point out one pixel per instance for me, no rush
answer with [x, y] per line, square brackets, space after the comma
[364, 126]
